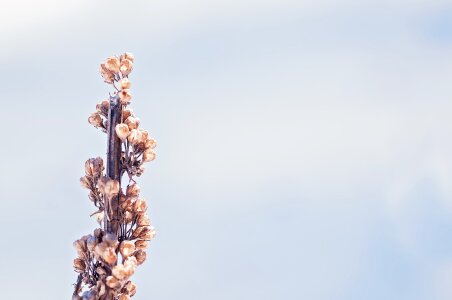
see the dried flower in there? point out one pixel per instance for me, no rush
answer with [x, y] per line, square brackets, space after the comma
[129, 288]
[113, 282]
[150, 144]
[127, 113]
[79, 265]
[108, 76]
[103, 107]
[122, 131]
[140, 244]
[123, 297]
[109, 256]
[128, 56]
[134, 136]
[125, 96]
[112, 64]
[125, 83]
[126, 248]
[94, 167]
[119, 272]
[133, 190]
[149, 155]
[143, 220]
[85, 182]
[140, 255]
[126, 67]
[111, 188]
[140, 206]
[95, 119]
[148, 233]
[132, 122]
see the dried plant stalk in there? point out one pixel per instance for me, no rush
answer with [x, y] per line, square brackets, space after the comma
[109, 256]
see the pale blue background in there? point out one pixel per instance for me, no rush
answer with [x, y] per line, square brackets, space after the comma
[304, 147]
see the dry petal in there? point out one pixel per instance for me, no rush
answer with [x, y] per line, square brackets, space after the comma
[140, 206]
[128, 56]
[109, 256]
[150, 144]
[108, 76]
[127, 113]
[126, 248]
[111, 188]
[122, 131]
[85, 182]
[143, 220]
[79, 265]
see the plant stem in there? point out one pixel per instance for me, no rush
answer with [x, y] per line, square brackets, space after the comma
[113, 164]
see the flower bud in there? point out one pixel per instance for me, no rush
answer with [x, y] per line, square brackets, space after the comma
[132, 122]
[149, 155]
[112, 64]
[113, 283]
[126, 67]
[140, 255]
[135, 136]
[122, 131]
[95, 119]
[125, 96]
[133, 190]
[125, 83]
[140, 244]
[126, 248]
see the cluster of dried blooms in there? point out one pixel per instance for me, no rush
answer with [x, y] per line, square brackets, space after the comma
[109, 256]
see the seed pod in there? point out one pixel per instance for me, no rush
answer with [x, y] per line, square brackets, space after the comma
[140, 206]
[126, 248]
[119, 272]
[126, 67]
[149, 155]
[95, 119]
[125, 83]
[113, 283]
[140, 255]
[128, 56]
[132, 122]
[108, 76]
[122, 131]
[140, 244]
[125, 96]
[112, 64]
[135, 136]
[133, 190]
[79, 265]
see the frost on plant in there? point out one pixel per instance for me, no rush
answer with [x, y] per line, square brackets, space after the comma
[109, 256]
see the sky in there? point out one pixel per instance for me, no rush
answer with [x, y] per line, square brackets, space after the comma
[304, 147]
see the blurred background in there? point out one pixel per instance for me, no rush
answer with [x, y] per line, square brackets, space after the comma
[304, 147]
